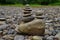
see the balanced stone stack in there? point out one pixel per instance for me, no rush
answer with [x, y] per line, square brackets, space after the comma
[2, 16]
[30, 25]
[39, 14]
[27, 16]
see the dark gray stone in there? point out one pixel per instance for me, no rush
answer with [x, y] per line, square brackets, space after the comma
[2, 27]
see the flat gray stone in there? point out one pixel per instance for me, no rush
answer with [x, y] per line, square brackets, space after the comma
[19, 37]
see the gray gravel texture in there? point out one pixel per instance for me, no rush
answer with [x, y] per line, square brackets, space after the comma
[14, 16]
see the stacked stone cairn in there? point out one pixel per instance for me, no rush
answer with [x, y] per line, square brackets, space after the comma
[39, 14]
[30, 25]
[27, 15]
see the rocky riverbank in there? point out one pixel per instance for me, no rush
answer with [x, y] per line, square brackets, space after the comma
[11, 17]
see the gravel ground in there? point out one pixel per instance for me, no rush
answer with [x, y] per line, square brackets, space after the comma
[7, 28]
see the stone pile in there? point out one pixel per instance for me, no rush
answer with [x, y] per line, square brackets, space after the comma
[27, 16]
[30, 25]
[39, 14]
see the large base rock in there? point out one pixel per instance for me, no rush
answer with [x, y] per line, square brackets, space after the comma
[35, 27]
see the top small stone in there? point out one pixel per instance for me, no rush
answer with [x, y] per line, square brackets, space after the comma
[27, 7]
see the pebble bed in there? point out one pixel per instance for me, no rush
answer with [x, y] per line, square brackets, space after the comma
[13, 16]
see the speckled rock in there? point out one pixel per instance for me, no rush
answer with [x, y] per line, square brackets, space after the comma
[35, 27]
